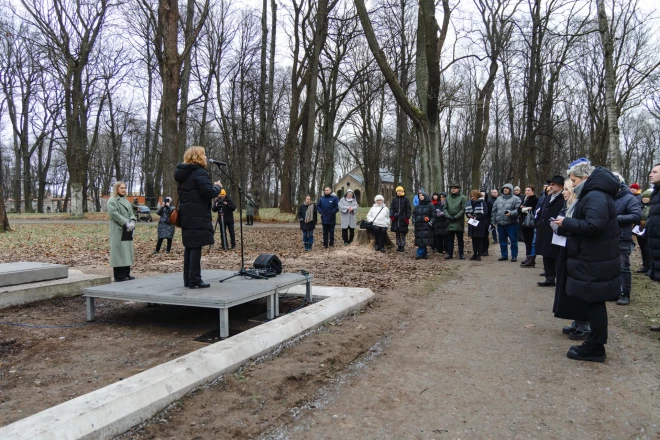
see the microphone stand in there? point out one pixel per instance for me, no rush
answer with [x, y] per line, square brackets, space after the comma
[242, 272]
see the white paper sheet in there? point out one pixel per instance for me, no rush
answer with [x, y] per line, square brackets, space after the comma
[559, 240]
[473, 222]
[636, 230]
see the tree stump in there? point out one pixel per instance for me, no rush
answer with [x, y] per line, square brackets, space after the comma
[366, 237]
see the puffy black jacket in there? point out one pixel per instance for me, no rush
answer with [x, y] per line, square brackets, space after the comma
[424, 231]
[653, 233]
[195, 194]
[227, 210]
[440, 222]
[401, 210]
[592, 248]
[628, 212]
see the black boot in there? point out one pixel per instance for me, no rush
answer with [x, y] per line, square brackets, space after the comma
[582, 332]
[524, 263]
[570, 328]
[588, 351]
[624, 299]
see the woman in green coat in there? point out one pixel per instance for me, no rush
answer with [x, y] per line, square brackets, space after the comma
[121, 217]
[249, 209]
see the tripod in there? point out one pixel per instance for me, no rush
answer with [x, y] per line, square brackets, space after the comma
[242, 271]
[223, 233]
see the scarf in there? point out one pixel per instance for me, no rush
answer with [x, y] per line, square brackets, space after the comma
[577, 191]
[309, 214]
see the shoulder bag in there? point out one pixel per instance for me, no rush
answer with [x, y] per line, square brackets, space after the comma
[174, 215]
[368, 225]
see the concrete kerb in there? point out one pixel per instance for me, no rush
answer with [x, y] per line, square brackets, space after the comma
[112, 410]
[71, 286]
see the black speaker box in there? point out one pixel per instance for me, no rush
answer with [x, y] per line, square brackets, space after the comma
[268, 261]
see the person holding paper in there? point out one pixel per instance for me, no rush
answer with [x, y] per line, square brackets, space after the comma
[477, 213]
[628, 213]
[568, 307]
[505, 216]
[122, 221]
[593, 261]
[550, 207]
[640, 231]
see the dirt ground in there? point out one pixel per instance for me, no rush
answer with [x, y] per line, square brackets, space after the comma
[456, 349]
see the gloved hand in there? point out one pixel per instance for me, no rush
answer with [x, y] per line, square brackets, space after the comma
[451, 218]
[130, 226]
[426, 219]
[392, 218]
[407, 220]
[554, 227]
[526, 210]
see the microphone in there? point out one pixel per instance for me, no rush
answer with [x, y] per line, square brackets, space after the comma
[217, 162]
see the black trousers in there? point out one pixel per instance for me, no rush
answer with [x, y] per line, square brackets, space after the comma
[478, 245]
[379, 235]
[597, 313]
[160, 242]
[192, 266]
[550, 268]
[485, 244]
[643, 247]
[232, 236]
[440, 243]
[250, 219]
[121, 272]
[347, 234]
[528, 236]
[450, 243]
[328, 235]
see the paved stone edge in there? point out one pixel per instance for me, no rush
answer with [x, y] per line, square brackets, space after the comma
[112, 410]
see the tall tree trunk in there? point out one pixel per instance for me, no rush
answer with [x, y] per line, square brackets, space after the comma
[614, 151]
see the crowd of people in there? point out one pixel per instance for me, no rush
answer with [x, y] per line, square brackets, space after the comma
[582, 225]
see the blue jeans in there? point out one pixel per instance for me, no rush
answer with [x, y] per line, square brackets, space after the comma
[422, 251]
[308, 239]
[534, 244]
[510, 231]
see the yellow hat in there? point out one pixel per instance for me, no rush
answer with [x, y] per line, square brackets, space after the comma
[223, 192]
[400, 188]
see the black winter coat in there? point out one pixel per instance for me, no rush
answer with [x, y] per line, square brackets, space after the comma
[566, 307]
[628, 212]
[653, 233]
[400, 209]
[592, 247]
[302, 211]
[481, 230]
[227, 210]
[549, 209]
[440, 221]
[424, 231]
[528, 202]
[195, 191]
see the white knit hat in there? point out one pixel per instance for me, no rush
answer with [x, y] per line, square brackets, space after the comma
[379, 197]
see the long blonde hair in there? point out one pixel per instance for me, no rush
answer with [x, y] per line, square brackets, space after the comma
[568, 186]
[195, 155]
[115, 187]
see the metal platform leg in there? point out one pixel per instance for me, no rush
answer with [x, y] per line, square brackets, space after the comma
[270, 306]
[308, 291]
[91, 316]
[224, 323]
[277, 303]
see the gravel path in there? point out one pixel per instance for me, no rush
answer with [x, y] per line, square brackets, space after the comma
[486, 359]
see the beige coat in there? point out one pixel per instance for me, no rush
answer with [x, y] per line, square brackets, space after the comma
[121, 252]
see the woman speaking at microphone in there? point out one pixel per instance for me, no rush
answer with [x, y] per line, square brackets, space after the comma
[196, 191]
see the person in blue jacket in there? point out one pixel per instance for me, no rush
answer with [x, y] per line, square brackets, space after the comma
[416, 198]
[328, 206]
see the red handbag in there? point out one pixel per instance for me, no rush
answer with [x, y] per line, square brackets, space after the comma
[174, 215]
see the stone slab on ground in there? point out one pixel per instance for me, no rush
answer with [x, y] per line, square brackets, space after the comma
[70, 286]
[22, 272]
[109, 411]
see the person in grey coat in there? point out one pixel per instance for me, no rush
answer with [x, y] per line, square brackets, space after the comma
[165, 228]
[505, 217]
[348, 208]
[249, 210]
[628, 213]
[121, 217]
